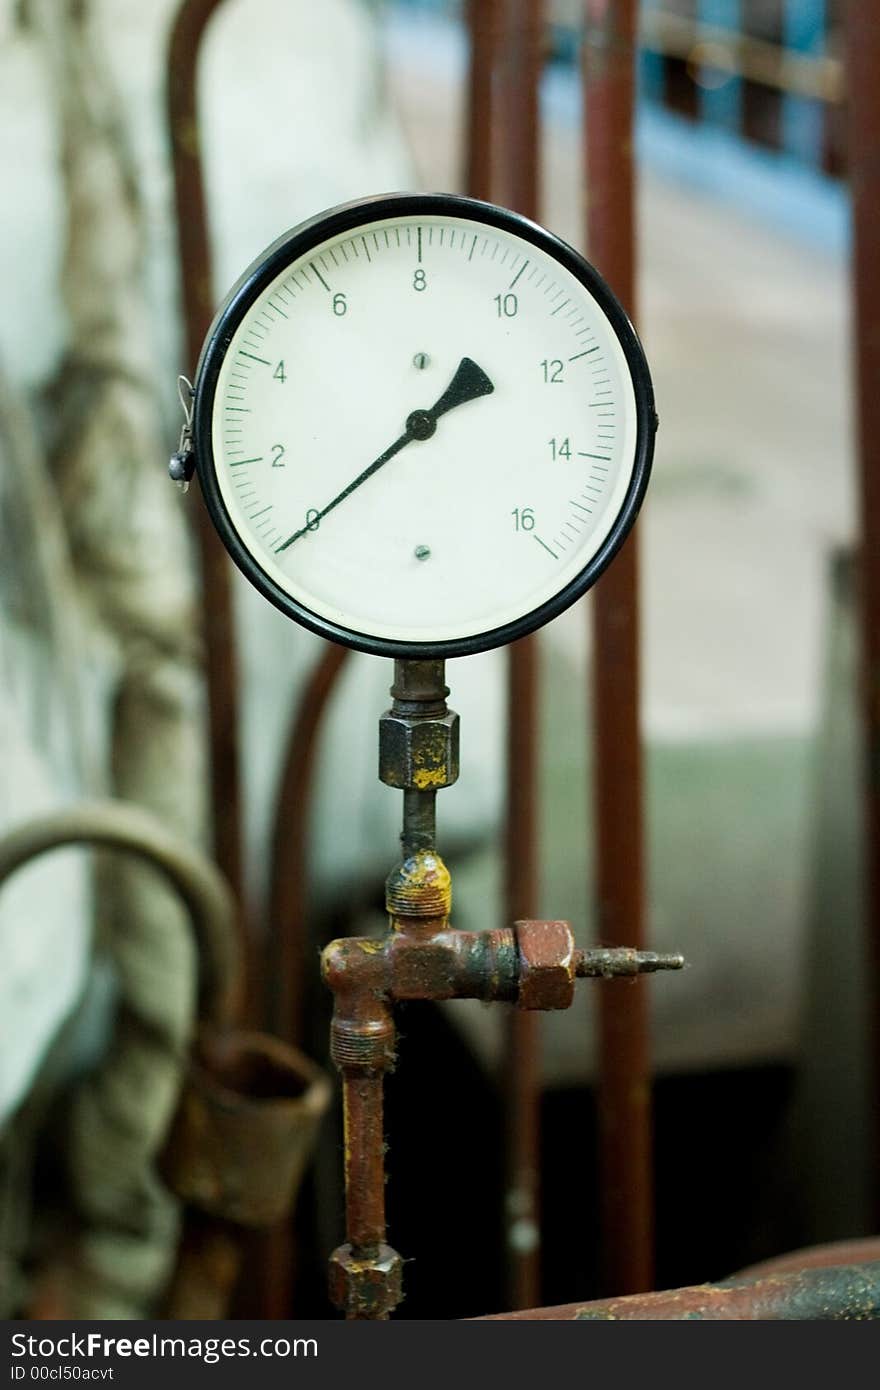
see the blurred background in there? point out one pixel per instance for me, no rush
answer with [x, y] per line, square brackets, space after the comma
[135, 667]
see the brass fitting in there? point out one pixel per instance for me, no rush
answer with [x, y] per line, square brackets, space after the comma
[362, 1029]
[419, 887]
[418, 754]
[366, 1288]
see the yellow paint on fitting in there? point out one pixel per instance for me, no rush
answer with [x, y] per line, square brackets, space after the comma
[421, 886]
[426, 778]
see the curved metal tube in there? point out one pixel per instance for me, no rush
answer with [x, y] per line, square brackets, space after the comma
[117, 825]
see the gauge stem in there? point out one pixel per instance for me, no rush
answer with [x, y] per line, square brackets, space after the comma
[419, 747]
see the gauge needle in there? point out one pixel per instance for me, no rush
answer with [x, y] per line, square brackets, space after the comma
[469, 382]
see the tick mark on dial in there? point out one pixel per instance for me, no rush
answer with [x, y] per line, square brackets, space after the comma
[319, 275]
[546, 547]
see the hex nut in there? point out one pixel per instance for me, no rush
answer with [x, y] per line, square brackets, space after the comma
[546, 964]
[418, 754]
[368, 1288]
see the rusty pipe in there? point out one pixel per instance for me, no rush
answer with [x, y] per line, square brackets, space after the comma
[221, 666]
[862, 33]
[274, 1254]
[519, 72]
[822, 1294]
[288, 880]
[520, 57]
[624, 1099]
[482, 22]
[837, 1253]
[535, 965]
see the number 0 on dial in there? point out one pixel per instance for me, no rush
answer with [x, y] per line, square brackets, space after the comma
[423, 425]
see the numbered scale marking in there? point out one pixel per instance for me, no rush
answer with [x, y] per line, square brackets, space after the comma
[423, 425]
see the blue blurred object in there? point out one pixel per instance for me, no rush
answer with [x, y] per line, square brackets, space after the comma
[802, 117]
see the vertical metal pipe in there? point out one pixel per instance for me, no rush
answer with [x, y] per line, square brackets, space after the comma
[273, 1256]
[221, 667]
[624, 1077]
[362, 1100]
[288, 870]
[863, 67]
[522, 1055]
[482, 21]
[519, 72]
[502, 154]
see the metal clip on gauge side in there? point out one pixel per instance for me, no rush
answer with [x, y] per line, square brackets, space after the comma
[182, 465]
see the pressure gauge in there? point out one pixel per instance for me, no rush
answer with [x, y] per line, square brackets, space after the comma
[423, 425]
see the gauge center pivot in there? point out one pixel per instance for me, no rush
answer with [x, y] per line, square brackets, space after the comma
[421, 424]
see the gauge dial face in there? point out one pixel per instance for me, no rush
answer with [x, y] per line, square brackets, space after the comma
[423, 425]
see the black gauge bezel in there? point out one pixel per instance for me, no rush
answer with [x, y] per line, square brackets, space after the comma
[303, 239]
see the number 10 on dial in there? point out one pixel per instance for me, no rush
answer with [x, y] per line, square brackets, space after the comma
[423, 425]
